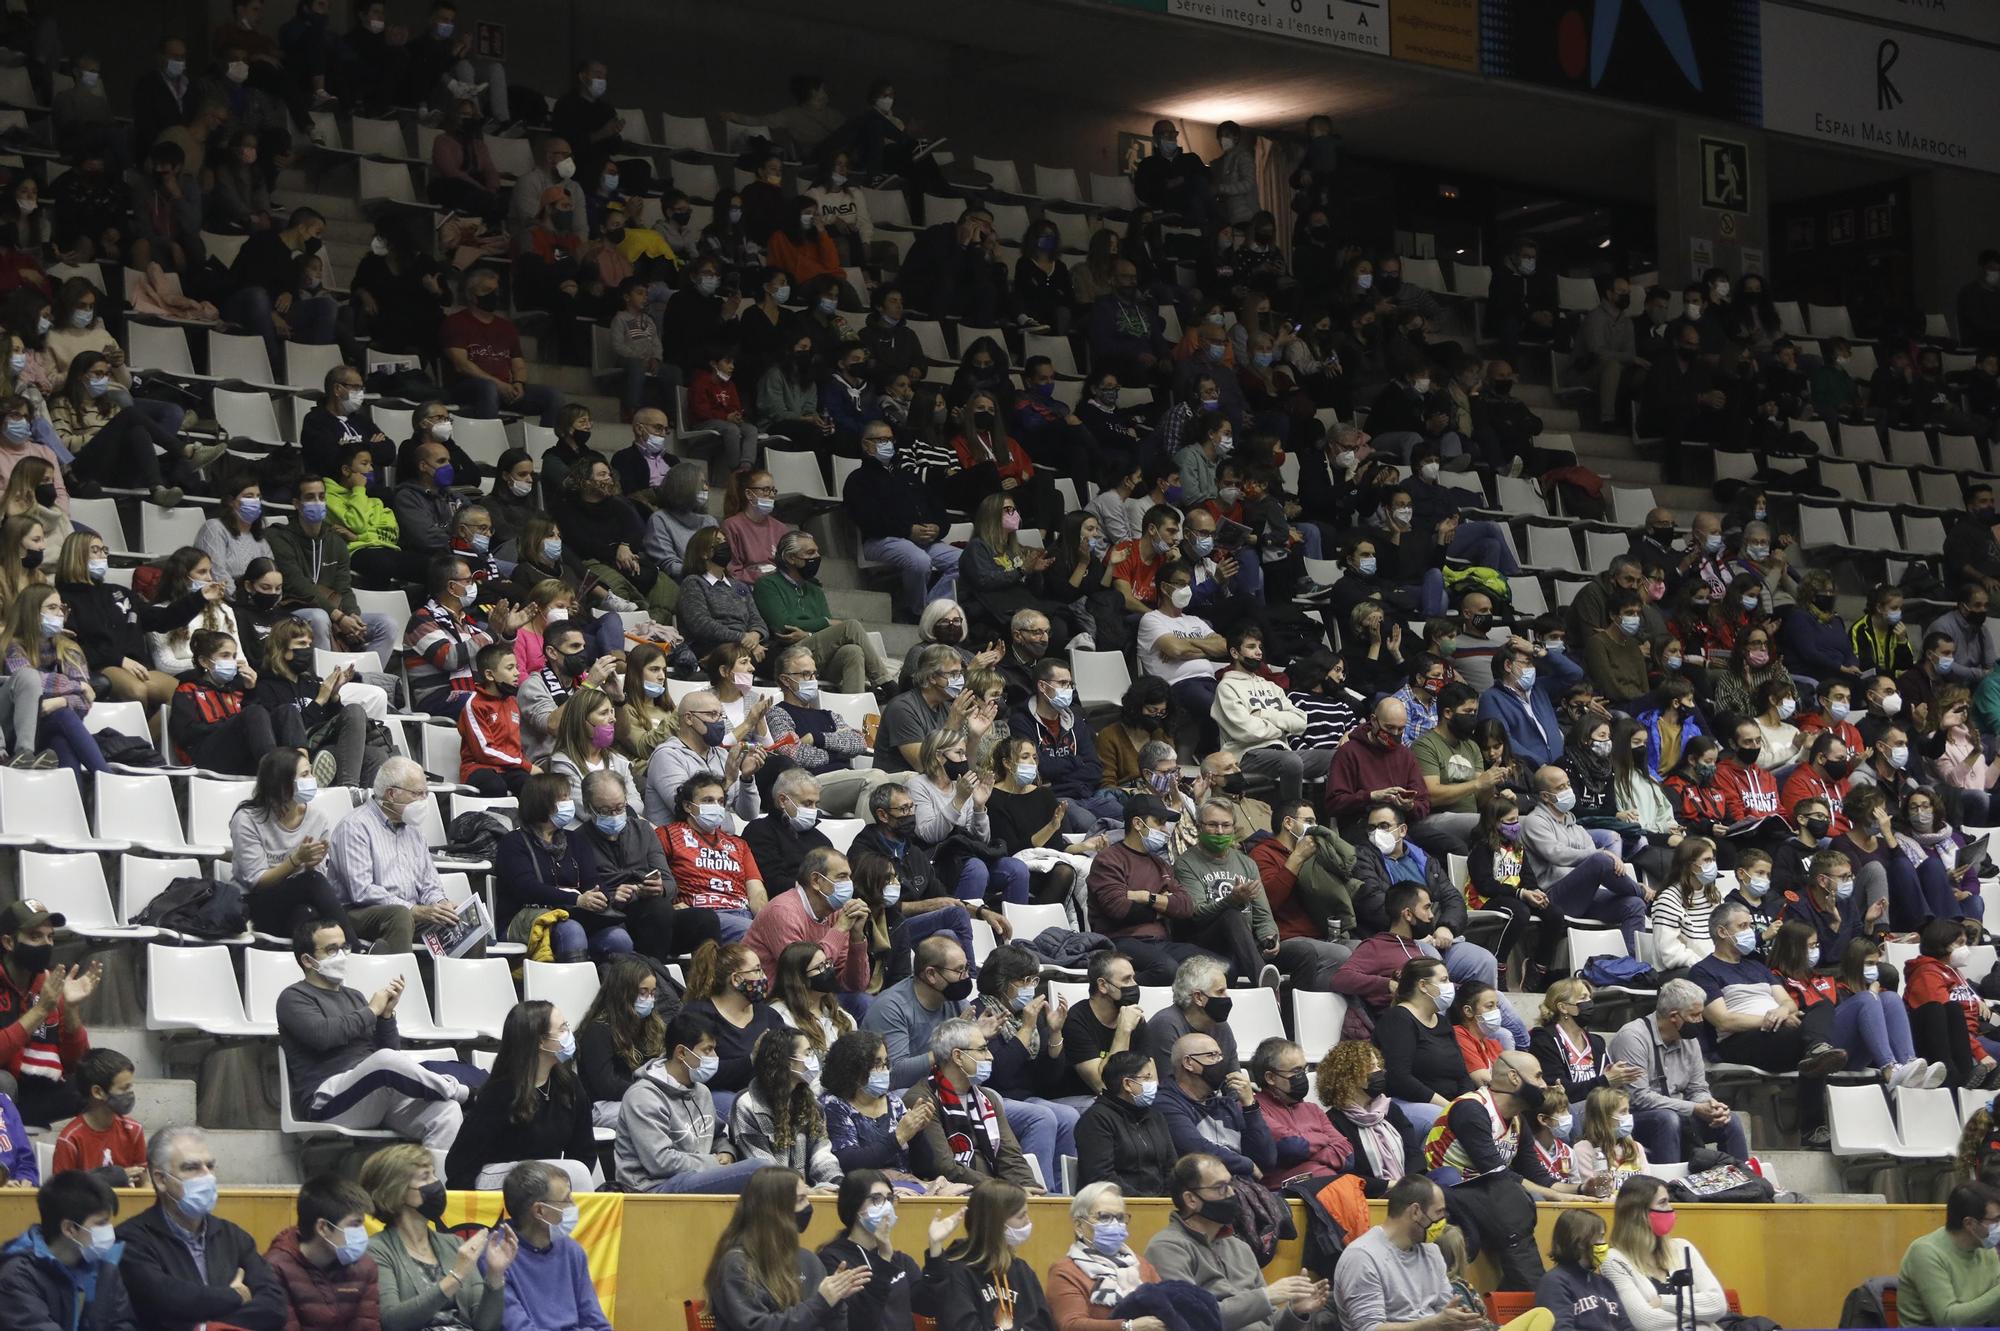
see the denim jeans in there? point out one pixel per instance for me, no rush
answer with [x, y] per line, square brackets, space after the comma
[926, 574]
[481, 398]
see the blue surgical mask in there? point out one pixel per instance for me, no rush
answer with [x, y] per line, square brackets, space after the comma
[643, 1005]
[1144, 1096]
[1022, 997]
[611, 824]
[1527, 678]
[1108, 1236]
[1025, 773]
[566, 1047]
[841, 894]
[878, 1083]
[222, 671]
[1368, 566]
[104, 1249]
[98, 568]
[480, 543]
[892, 892]
[353, 1245]
[808, 690]
[804, 819]
[706, 1067]
[1745, 940]
[709, 817]
[567, 1225]
[552, 549]
[313, 510]
[18, 429]
[1203, 545]
[1708, 873]
[1566, 799]
[197, 1196]
[764, 506]
[1156, 840]
[305, 790]
[1065, 698]
[1843, 889]
[249, 509]
[881, 1217]
[1624, 1122]
[565, 812]
[653, 688]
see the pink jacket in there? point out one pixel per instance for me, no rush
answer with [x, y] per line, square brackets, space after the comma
[785, 920]
[1328, 1148]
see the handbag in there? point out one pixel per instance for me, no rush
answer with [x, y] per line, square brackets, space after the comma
[1727, 1182]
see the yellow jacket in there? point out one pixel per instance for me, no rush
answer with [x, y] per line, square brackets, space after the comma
[368, 518]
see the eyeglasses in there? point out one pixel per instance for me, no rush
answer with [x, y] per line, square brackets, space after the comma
[761, 490]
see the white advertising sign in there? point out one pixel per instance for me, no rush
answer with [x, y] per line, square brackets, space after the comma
[1861, 85]
[1355, 25]
[1975, 20]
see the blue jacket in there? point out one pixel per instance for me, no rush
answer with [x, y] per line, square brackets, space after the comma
[841, 408]
[17, 1152]
[1815, 647]
[1070, 768]
[1650, 720]
[1194, 1127]
[40, 1293]
[1553, 673]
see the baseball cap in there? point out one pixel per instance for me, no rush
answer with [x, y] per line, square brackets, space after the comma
[27, 913]
[1150, 806]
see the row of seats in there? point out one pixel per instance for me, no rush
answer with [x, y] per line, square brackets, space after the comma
[1870, 442]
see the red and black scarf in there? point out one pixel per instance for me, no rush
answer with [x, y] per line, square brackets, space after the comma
[969, 1124]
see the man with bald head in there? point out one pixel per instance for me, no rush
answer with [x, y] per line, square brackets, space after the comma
[556, 169]
[1213, 1109]
[1375, 767]
[643, 464]
[1473, 1152]
[1565, 861]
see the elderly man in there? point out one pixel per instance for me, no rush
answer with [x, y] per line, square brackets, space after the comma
[1394, 1276]
[1375, 767]
[185, 1266]
[1757, 1021]
[789, 829]
[632, 866]
[1212, 1107]
[823, 910]
[484, 350]
[424, 503]
[1581, 878]
[1201, 1246]
[1027, 644]
[557, 169]
[966, 1136]
[380, 862]
[1672, 1108]
[643, 464]
[1201, 1003]
[1230, 915]
[901, 524]
[794, 605]
[940, 701]
[701, 743]
[344, 1056]
[1222, 779]
[1304, 1138]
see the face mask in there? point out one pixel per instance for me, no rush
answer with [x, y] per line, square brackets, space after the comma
[1403, 516]
[1629, 625]
[1527, 678]
[1180, 596]
[1960, 957]
[567, 1224]
[1566, 799]
[1490, 1019]
[710, 817]
[1843, 889]
[1155, 840]
[1203, 545]
[98, 385]
[1662, 1222]
[1787, 706]
[1745, 940]
[1921, 819]
[222, 671]
[102, 1248]
[250, 509]
[237, 71]
[1899, 757]
[197, 1197]
[1017, 1237]
[1601, 747]
[1383, 839]
[332, 966]
[175, 68]
[353, 1244]
[842, 893]
[17, 430]
[1758, 657]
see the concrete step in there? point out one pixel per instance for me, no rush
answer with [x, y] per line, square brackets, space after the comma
[250, 1159]
[163, 1101]
[872, 607]
[137, 1043]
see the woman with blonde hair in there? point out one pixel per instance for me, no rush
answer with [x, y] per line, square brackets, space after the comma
[1571, 1055]
[33, 491]
[39, 645]
[429, 1276]
[950, 795]
[112, 624]
[1642, 1257]
[554, 603]
[762, 1277]
[1352, 1085]
[1606, 1144]
[981, 1283]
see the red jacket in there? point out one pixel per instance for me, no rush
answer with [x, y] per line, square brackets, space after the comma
[1928, 980]
[1011, 461]
[199, 703]
[339, 1298]
[1747, 792]
[1806, 783]
[489, 735]
[713, 399]
[1361, 765]
[1814, 722]
[48, 1051]
[1694, 802]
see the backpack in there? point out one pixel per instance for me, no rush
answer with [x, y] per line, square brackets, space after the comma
[1714, 1176]
[1624, 972]
[199, 907]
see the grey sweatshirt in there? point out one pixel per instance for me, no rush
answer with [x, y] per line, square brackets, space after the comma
[664, 1129]
[905, 1026]
[324, 1032]
[1225, 1268]
[741, 1303]
[750, 1127]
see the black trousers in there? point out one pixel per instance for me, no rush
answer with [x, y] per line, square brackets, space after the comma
[236, 744]
[1498, 1217]
[277, 909]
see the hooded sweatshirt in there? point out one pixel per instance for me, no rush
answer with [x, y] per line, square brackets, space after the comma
[36, 1288]
[1253, 713]
[664, 1129]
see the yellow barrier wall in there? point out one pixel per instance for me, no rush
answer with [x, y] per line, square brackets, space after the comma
[1791, 1263]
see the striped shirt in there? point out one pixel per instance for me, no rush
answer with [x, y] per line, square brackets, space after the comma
[1328, 719]
[1685, 916]
[374, 862]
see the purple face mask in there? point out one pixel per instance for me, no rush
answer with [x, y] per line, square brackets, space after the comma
[1510, 831]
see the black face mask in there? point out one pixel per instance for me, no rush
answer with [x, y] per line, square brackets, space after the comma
[1530, 1096]
[1215, 1074]
[1233, 784]
[1502, 388]
[1817, 827]
[1222, 1212]
[1838, 767]
[1583, 1009]
[45, 494]
[31, 559]
[1218, 1008]
[573, 663]
[958, 990]
[1748, 756]
[1462, 725]
[1127, 997]
[33, 959]
[802, 359]
[721, 554]
[954, 768]
[266, 601]
[949, 632]
[488, 301]
[300, 661]
[804, 1216]
[1298, 1086]
[430, 1201]
[905, 827]
[1972, 617]
[582, 437]
[809, 569]
[1662, 534]
[1377, 1083]
[1824, 601]
[982, 420]
[826, 982]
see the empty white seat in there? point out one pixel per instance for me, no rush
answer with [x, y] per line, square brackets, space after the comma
[73, 886]
[1101, 677]
[238, 356]
[1552, 547]
[571, 986]
[142, 809]
[45, 807]
[248, 416]
[475, 994]
[194, 988]
[211, 802]
[1318, 1018]
[154, 347]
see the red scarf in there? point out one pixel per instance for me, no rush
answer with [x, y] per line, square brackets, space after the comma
[969, 1123]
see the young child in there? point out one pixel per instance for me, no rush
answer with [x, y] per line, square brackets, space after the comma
[714, 403]
[489, 729]
[215, 725]
[105, 1134]
[635, 342]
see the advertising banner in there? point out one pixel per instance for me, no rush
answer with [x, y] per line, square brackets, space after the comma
[1353, 25]
[1699, 56]
[1971, 20]
[1444, 33]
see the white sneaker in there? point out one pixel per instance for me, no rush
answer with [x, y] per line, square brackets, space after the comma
[1900, 1074]
[1934, 1076]
[619, 605]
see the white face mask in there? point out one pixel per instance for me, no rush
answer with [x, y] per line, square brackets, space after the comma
[1180, 596]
